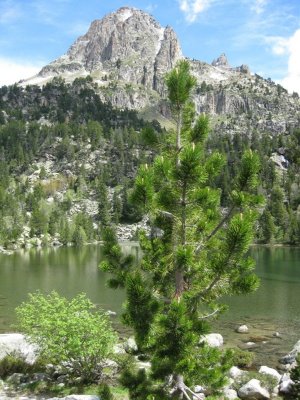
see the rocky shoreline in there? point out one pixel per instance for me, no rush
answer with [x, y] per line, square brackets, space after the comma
[263, 383]
[125, 233]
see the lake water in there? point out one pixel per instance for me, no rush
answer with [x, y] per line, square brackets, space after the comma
[274, 307]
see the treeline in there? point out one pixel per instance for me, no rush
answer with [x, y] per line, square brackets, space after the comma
[95, 151]
[279, 184]
[58, 101]
[54, 205]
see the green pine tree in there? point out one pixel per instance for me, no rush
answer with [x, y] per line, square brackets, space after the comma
[268, 228]
[116, 207]
[65, 231]
[79, 237]
[194, 255]
[38, 222]
[103, 207]
[53, 222]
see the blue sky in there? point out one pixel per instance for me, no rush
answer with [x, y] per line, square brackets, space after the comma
[265, 34]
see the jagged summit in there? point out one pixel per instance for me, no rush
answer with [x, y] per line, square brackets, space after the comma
[128, 45]
[127, 53]
[221, 61]
[128, 48]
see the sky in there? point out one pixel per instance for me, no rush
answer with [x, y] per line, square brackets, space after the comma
[264, 34]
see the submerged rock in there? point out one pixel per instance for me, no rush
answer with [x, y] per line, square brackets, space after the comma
[242, 329]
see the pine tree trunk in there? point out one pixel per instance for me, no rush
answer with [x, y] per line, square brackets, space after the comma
[179, 279]
[179, 384]
[178, 136]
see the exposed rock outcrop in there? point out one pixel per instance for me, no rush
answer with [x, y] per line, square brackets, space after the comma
[128, 53]
[127, 45]
[221, 61]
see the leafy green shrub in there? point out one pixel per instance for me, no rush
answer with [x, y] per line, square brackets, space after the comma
[105, 393]
[242, 358]
[14, 363]
[68, 331]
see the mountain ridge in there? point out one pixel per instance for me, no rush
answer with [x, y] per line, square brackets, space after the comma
[59, 141]
[127, 53]
[129, 41]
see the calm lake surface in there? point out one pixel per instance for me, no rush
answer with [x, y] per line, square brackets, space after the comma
[275, 307]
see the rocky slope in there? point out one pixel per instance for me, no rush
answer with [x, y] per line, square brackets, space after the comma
[121, 62]
[127, 53]
[127, 45]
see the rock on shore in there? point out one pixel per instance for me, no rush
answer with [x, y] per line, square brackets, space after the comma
[16, 342]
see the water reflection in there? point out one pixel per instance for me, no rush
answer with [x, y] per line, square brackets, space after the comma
[69, 271]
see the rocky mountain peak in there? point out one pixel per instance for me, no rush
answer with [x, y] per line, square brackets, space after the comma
[128, 45]
[127, 53]
[221, 61]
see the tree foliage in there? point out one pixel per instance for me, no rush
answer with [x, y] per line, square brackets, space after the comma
[67, 331]
[195, 253]
[62, 121]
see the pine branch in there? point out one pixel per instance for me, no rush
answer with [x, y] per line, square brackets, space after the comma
[210, 315]
[218, 276]
[215, 230]
[221, 223]
[211, 285]
[167, 214]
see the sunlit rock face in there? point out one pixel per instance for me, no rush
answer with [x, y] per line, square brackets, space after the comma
[128, 53]
[126, 45]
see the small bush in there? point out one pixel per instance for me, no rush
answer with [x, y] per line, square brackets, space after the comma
[105, 393]
[14, 363]
[71, 333]
[242, 358]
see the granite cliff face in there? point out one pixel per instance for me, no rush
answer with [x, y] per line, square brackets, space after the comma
[238, 101]
[127, 53]
[128, 45]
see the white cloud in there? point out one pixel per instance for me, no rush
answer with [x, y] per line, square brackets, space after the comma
[279, 45]
[289, 47]
[12, 71]
[258, 6]
[192, 8]
[292, 80]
